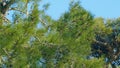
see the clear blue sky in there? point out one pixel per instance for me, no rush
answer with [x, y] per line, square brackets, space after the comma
[99, 8]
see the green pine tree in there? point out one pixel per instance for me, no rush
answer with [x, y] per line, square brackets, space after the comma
[64, 43]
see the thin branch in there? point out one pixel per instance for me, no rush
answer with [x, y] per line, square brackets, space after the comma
[42, 21]
[4, 18]
[99, 42]
[46, 43]
[26, 5]
[27, 15]
[6, 52]
[17, 10]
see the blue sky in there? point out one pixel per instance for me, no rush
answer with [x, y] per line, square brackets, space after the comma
[99, 8]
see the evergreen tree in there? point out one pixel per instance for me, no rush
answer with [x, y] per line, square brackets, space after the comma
[64, 43]
[16, 35]
[107, 41]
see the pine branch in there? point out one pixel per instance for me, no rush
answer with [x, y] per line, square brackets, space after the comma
[15, 9]
[6, 52]
[4, 18]
[99, 42]
[45, 43]
[26, 5]
[44, 24]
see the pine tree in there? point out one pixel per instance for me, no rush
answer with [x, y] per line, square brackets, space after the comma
[64, 43]
[107, 41]
[16, 35]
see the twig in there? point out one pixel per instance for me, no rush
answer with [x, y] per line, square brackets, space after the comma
[99, 42]
[4, 18]
[6, 52]
[17, 10]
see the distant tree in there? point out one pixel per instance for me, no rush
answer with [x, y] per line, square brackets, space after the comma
[107, 41]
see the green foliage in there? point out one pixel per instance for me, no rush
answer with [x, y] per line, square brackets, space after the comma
[107, 41]
[64, 43]
[75, 29]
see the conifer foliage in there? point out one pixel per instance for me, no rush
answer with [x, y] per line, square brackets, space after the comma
[107, 41]
[29, 38]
